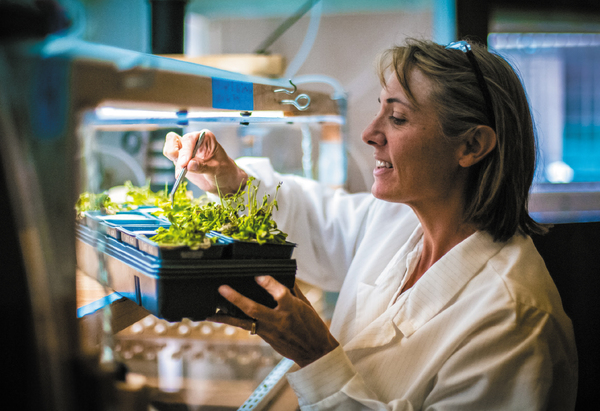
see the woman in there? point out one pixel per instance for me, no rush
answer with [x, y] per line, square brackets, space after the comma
[444, 301]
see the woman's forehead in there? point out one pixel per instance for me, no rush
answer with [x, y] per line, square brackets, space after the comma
[420, 88]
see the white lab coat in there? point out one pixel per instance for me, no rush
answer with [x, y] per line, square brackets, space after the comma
[483, 329]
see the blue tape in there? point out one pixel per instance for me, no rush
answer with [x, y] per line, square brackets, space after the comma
[232, 95]
[98, 304]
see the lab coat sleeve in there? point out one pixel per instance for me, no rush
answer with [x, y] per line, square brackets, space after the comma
[501, 367]
[333, 383]
[326, 224]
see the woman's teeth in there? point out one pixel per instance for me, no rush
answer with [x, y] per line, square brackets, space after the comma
[383, 164]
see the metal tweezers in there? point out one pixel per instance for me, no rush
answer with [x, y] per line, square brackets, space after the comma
[183, 171]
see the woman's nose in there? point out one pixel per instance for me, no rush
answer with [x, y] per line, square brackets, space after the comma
[372, 134]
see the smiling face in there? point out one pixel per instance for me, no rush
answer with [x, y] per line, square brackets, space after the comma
[414, 163]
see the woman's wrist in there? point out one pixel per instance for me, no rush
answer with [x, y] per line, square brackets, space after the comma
[326, 349]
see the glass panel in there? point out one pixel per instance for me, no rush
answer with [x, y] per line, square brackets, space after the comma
[561, 73]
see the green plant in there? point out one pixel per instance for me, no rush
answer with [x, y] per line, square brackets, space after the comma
[95, 202]
[239, 216]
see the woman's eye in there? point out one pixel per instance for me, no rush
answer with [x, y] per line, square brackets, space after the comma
[397, 121]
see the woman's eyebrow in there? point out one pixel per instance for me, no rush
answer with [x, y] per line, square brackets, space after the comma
[391, 100]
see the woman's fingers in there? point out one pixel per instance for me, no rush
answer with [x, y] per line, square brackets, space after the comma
[278, 291]
[236, 322]
[209, 146]
[293, 328]
[188, 142]
[210, 166]
[172, 146]
[179, 149]
[249, 307]
[206, 154]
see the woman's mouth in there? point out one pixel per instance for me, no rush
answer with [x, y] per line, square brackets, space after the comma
[382, 164]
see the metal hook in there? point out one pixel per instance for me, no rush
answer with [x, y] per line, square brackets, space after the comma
[279, 90]
[296, 103]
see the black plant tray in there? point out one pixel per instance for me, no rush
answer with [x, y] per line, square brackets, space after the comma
[239, 249]
[177, 288]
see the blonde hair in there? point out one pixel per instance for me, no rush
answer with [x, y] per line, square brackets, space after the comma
[498, 186]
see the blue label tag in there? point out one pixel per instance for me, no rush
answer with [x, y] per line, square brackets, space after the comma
[232, 95]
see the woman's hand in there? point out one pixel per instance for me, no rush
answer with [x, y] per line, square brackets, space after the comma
[210, 166]
[293, 328]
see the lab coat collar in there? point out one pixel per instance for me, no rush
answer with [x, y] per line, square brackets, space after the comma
[430, 294]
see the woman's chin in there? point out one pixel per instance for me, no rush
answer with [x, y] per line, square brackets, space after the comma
[380, 192]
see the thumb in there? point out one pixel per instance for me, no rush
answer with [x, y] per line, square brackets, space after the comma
[207, 151]
[208, 148]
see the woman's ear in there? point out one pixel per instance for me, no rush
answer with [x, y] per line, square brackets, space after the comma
[478, 145]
